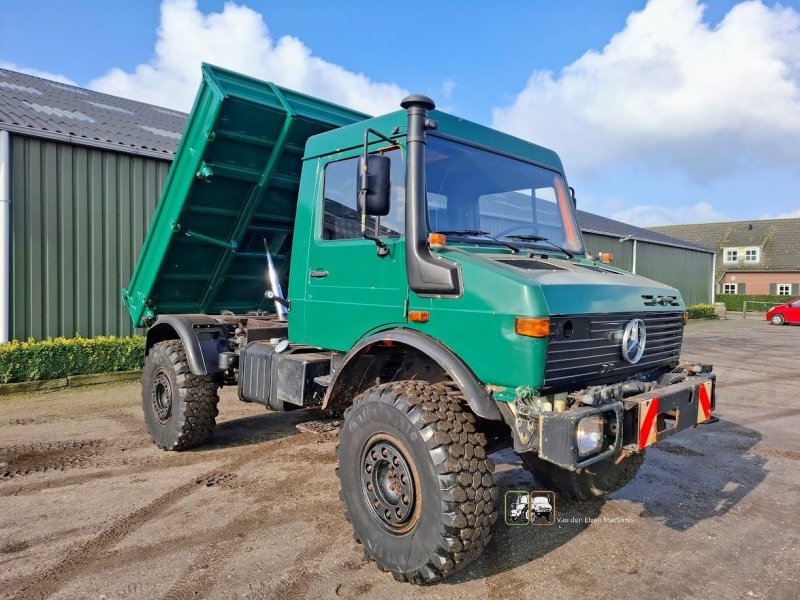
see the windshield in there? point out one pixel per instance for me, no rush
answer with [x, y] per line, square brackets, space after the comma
[478, 190]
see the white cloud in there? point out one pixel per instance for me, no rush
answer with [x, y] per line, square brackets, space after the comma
[651, 215]
[792, 214]
[448, 87]
[36, 73]
[670, 90]
[238, 39]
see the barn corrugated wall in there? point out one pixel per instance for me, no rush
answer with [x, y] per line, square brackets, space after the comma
[79, 217]
[622, 251]
[690, 271]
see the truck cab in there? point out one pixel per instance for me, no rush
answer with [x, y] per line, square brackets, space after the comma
[542, 506]
[420, 274]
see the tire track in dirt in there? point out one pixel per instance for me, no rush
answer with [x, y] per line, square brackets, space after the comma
[23, 459]
[26, 459]
[17, 461]
[124, 467]
[132, 423]
[85, 553]
[204, 571]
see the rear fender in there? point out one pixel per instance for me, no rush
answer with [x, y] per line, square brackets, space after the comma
[203, 338]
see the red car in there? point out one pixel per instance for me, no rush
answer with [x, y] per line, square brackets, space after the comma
[785, 313]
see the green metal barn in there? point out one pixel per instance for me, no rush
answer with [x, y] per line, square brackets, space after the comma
[686, 266]
[80, 174]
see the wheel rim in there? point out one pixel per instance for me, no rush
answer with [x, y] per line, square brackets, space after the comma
[389, 484]
[777, 320]
[162, 397]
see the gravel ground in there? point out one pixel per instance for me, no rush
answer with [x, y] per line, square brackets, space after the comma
[89, 508]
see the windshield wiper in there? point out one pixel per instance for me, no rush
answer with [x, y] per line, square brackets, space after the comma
[479, 233]
[541, 238]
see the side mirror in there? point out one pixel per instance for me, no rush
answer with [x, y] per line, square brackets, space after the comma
[374, 185]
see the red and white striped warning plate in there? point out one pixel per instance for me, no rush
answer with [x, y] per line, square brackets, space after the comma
[648, 422]
[704, 402]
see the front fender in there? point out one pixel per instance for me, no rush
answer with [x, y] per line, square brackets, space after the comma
[478, 399]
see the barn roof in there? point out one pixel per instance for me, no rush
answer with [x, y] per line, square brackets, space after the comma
[39, 107]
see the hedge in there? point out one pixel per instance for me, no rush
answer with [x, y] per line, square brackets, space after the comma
[736, 301]
[701, 311]
[62, 357]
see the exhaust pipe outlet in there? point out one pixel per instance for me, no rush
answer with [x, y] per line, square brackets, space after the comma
[427, 274]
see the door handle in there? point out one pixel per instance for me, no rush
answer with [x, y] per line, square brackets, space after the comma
[317, 274]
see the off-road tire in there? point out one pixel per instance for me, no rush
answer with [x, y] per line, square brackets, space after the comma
[437, 436]
[599, 479]
[193, 398]
[777, 320]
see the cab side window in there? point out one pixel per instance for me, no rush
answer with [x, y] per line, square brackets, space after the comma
[342, 219]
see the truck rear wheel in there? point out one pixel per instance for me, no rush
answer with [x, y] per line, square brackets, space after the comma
[599, 479]
[180, 408]
[415, 480]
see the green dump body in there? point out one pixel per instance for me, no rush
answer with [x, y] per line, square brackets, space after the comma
[232, 186]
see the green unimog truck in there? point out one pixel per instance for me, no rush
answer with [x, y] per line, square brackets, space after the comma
[423, 275]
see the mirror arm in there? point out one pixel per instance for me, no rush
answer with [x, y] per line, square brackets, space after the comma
[362, 187]
[376, 134]
[383, 249]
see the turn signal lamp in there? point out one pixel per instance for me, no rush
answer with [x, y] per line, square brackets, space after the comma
[686, 318]
[532, 327]
[436, 241]
[606, 257]
[419, 316]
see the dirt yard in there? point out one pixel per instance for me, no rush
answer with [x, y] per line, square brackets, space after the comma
[89, 508]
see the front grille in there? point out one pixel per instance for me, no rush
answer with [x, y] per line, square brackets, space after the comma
[586, 349]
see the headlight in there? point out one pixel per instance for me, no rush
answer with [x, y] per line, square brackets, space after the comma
[589, 434]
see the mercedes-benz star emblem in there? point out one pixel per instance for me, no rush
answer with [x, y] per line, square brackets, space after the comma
[633, 340]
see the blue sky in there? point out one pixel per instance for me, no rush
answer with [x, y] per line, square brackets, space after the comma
[663, 112]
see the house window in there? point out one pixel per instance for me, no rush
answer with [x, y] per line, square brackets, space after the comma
[784, 289]
[750, 254]
[728, 288]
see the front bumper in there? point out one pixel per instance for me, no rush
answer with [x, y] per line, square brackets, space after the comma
[632, 423]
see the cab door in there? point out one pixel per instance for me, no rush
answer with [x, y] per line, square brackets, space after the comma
[351, 290]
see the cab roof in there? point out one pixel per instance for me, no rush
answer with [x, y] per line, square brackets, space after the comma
[394, 125]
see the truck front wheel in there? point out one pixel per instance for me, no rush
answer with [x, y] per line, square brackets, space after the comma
[599, 479]
[180, 408]
[415, 480]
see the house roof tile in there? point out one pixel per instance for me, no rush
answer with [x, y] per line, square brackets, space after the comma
[779, 240]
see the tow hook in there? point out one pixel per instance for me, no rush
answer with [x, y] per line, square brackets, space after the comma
[622, 456]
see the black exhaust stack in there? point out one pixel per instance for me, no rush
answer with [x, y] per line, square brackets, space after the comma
[427, 274]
